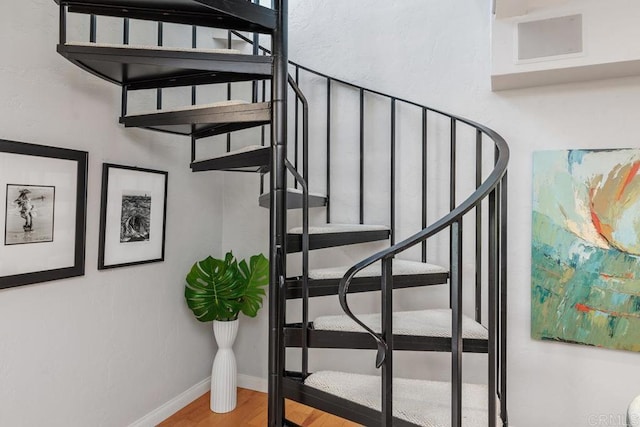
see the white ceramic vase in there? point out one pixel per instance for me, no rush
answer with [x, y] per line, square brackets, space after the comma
[224, 370]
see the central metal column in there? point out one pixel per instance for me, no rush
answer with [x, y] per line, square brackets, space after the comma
[278, 216]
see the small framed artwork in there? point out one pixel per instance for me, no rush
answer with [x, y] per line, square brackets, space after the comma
[44, 198]
[132, 216]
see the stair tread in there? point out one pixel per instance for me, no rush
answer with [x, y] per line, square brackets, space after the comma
[401, 267]
[340, 228]
[195, 108]
[294, 199]
[292, 190]
[422, 402]
[156, 48]
[252, 158]
[247, 149]
[425, 323]
[332, 235]
[203, 120]
[325, 282]
[238, 15]
[149, 67]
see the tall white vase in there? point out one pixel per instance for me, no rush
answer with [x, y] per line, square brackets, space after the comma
[224, 370]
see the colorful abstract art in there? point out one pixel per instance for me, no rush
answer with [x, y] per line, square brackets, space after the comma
[585, 269]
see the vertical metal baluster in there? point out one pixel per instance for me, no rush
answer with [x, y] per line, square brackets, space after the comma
[328, 150]
[424, 181]
[63, 24]
[305, 281]
[193, 149]
[478, 209]
[93, 23]
[124, 100]
[456, 326]
[503, 300]
[361, 156]
[452, 190]
[393, 171]
[229, 91]
[159, 90]
[125, 31]
[125, 86]
[387, 336]
[492, 258]
[255, 52]
[194, 44]
[305, 231]
[262, 129]
[295, 127]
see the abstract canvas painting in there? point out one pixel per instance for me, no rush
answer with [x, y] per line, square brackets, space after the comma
[586, 247]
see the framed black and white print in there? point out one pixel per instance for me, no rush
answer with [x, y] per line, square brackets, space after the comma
[132, 216]
[43, 198]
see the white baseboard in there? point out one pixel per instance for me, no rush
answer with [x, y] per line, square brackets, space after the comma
[163, 412]
[252, 383]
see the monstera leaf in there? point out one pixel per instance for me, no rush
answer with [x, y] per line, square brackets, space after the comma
[256, 276]
[219, 289]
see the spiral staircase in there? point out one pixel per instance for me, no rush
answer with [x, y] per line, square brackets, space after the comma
[476, 271]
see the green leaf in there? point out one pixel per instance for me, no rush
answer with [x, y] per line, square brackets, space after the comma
[219, 289]
[256, 276]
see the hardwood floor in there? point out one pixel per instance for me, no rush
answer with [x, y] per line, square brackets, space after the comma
[251, 412]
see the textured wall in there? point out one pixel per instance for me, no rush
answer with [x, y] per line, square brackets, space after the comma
[438, 53]
[107, 348]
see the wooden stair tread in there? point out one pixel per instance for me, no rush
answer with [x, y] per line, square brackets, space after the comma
[203, 120]
[229, 14]
[254, 158]
[294, 199]
[420, 402]
[148, 67]
[331, 235]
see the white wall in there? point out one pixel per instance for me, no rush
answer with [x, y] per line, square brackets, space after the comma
[438, 53]
[107, 348]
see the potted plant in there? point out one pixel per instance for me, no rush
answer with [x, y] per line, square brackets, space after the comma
[218, 290]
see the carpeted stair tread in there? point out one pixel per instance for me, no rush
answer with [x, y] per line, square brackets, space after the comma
[428, 323]
[400, 268]
[422, 402]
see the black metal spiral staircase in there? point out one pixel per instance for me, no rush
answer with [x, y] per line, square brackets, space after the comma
[369, 400]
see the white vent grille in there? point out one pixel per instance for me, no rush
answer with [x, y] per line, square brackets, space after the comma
[550, 37]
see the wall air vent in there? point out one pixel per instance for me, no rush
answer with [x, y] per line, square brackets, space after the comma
[551, 37]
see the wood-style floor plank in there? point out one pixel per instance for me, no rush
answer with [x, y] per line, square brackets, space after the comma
[251, 411]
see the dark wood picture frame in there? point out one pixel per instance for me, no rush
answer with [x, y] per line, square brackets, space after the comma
[30, 166]
[132, 222]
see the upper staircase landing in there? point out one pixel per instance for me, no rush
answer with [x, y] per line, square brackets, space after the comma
[229, 14]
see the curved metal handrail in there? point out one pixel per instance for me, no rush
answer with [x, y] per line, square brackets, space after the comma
[472, 201]
[483, 190]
